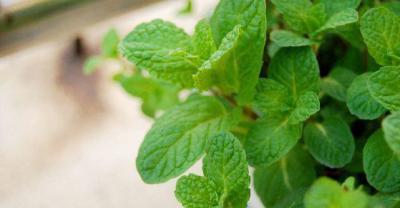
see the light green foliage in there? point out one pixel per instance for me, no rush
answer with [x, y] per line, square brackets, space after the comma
[156, 94]
[384, 86]
[302, 106]
[341, 18]
[226, 165]
[270, 139]
[202, 42]
[221, 68]
[183, 140]
[301, 15]
[337, 83]
[293, 172]
[381, 31]
[335, 6]
[188, 8]
[330, 142]
[306, 106]
[92, 64]
[109, 50]
[273, 48]
[226, 178]
[197, 192]
[313, 19]
[360, 102]
[251, 16]
[109, 45]
[286, 99]
[161, 48]
[271, 98]
[349, 183]
[327, 193]
[285, 38]
[391, 129]
[297, 69]
[381, 165]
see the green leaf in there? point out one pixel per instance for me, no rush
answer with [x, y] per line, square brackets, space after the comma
[294, 171]
[162, 49]
[331, 142]
[221, 69]
[178, 138]
[271, 138]
[92, 64]
[381, 31]
[226, 165]
[149, 109]
[337, 109]
[272, 49]
[391, 129]
[360, 102]
[285, 38]
[196, 192]
[109, 45]
[351, 33]
[382, 200]
[292, 200]
[337, 82]
[393, 6]
[335, 6]
[341, 18]
[202, 41]
[326, 193]
[301, 15]
[381, 165]
[349, 183]
[271, 97]
[297, 69]
[251, 15]
[306, 106]
[384, 87]
[156, 94]
[187, 9]
[226, 178]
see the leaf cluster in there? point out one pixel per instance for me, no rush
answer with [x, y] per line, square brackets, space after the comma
[305, 92]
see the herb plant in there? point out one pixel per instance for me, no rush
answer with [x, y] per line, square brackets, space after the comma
[307, 93]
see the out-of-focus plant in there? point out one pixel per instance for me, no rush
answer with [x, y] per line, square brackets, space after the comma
[109, 51]
[188, 7]
[315, 109]
[156, 94]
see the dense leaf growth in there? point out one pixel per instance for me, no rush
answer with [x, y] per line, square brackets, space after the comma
[305, 92]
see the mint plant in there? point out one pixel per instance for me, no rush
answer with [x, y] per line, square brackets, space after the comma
[307, 93]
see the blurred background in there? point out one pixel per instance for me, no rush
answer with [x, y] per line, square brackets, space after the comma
[66, 139]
